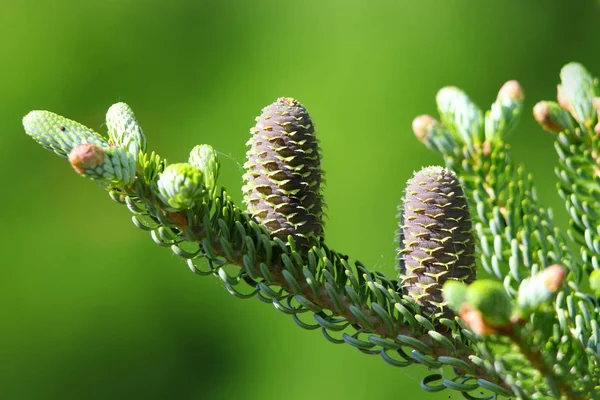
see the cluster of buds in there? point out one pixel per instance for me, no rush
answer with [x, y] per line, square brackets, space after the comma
[464, 124]
[115, 161]
[577, 102]
[486, 308]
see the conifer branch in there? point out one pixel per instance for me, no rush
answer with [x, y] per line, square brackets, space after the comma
[532, 331]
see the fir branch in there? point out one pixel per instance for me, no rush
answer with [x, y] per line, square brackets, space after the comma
[367, 315]
[527, 333]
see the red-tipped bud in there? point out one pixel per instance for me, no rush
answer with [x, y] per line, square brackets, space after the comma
[511, 90]
[562, 98]
[539, 289]
[550, 116]
[475, 321]
[596, 104]
[423, 126]
[85, 156]
[553, 277]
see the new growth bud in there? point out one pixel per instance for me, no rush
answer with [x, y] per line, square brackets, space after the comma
[491, 300]
[562, 99]
[180, 186]
[283, 178]
[437, 242]
[460, 114]
[511, 91]
[540, 288]
[423, 127]
[205, 158]
[596, 105]
[124, 130]
[552, 117]
[483, 305]
[505, 112]
[109, 164]
[576, 91]
[59, 134]
[86, 156]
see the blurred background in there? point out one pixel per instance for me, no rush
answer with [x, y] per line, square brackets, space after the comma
[90, 308]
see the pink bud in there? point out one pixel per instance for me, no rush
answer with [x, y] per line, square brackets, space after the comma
[86, 156]
[554, 276]
[422, 126]
[562, 100]
[511, 90]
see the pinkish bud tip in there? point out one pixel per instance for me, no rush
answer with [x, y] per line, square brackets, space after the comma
[562, 100]
[596, 104]
[511, 90]
[541, 113]
[554, 276]
[475, 321]
[422, 126]
[86, 156]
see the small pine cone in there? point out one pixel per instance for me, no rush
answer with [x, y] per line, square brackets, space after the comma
[283, 178]
[436, 239]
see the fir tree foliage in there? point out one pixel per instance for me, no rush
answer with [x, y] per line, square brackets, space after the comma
[527, 328]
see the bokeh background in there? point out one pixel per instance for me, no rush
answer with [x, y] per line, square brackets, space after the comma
[90, 308]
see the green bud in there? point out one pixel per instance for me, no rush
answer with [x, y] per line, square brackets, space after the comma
[59, 134]
[124, 130]
[455, 294]
[283, 178]
[595, 282]
[491, 300]
[539, 288]
[576, 91]
[108, 164]
[436, 239]
[205, 158]
[460, 115]
[505, 112]
[180, 186]
[552, 117]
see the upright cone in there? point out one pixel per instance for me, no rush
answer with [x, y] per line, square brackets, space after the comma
[436, 239]
[283, 178]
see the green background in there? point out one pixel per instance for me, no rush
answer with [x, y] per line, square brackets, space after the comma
[90, 308]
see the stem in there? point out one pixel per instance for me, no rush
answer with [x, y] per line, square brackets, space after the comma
[519, 337]
[325, 300]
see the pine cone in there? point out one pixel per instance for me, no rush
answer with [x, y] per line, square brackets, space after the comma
[437, 242]
[283, 178]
